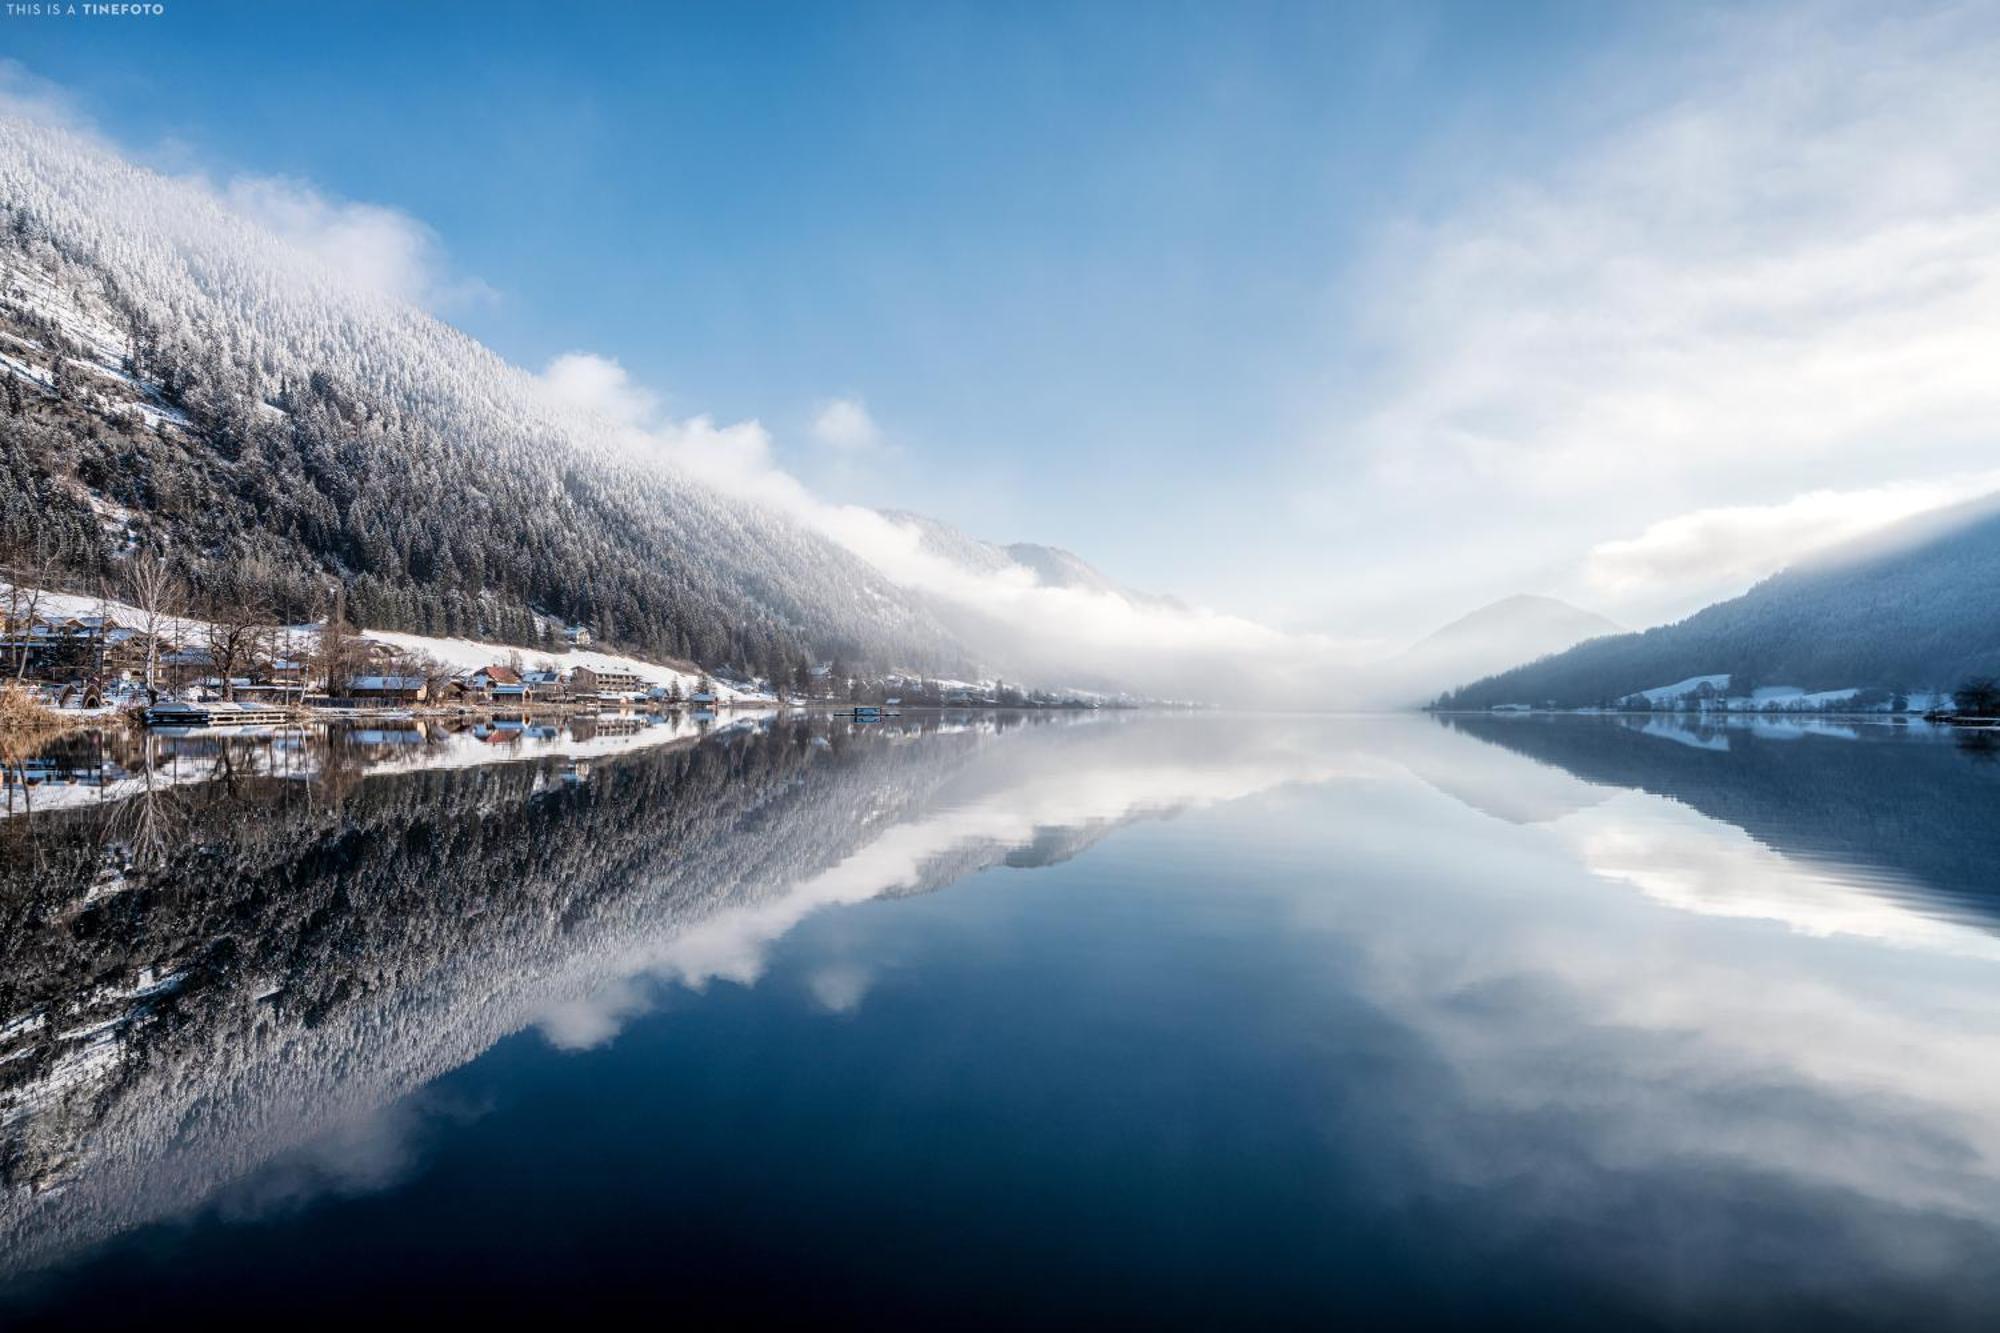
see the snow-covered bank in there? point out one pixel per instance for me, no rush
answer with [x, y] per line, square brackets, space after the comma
[300, 641]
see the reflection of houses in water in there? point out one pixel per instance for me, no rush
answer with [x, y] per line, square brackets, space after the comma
[384, 742]
[89, 770]
[607, 724]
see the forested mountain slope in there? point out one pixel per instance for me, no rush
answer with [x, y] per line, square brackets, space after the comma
[182, 380]
[1914, 608]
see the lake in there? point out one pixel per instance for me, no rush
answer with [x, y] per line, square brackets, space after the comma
[1007, 1019]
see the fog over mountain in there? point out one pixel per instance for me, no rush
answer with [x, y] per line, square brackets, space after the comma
[1911, 608]
[193, 381]
[200, 372]
[1501, 634]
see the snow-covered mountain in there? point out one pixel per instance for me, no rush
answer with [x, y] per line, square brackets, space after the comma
[186, 380]
[1914, 609]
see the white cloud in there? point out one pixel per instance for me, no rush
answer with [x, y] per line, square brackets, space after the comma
[844, 423]
[1056, 632]
[375, 248]
[31, 97]
[599, 384]
[735, 457]
[1784, 277]
[1738, 544]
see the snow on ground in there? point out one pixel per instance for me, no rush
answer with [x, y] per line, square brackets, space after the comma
[471, 654]
[93, 332]
[457, 654]
[1791, 696]
[28, 286]
[1680, 689]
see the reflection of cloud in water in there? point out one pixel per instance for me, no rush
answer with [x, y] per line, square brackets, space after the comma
[1683, 860]
[839, 988]
[1492, 781]
[1026, 807]
[372, 1151]
[1612, 1027]
[1696, 1102]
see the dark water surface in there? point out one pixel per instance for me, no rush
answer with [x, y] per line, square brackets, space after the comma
[1175, 1020]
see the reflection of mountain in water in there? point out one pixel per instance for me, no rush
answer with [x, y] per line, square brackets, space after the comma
[1906, 802]
[301, 955]
[200, 977]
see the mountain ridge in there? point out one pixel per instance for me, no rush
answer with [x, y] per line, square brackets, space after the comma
[183, 382]
[1912, 607]
[1507, 632]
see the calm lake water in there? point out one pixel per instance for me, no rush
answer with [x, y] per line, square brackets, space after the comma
[1176, 1020]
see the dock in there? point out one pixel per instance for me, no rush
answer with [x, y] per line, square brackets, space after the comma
[176, 713]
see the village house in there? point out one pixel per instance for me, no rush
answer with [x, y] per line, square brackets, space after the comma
[496, 684]
[390, 689]
[606, 682]
[545, 684]
[69, 647]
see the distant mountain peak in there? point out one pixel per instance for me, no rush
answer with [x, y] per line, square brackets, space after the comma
[1909, 608]
[1052, 566]
[1502, 634]
[1523, 610]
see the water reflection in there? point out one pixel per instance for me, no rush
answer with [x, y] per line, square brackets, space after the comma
[1894, 811]
[1550, 1021]
[217, 948]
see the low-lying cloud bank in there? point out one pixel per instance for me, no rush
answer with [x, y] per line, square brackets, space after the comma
[1052, 634]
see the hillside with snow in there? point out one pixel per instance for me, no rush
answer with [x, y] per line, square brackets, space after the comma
[1911, 611]
[180, 380]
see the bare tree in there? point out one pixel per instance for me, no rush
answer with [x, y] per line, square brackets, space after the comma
[435, 674]
[157, 590]
[30, 570]
[238, 630]
[412, 665]
[341, 652]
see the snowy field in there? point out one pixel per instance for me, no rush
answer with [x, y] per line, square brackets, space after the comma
[457, 654]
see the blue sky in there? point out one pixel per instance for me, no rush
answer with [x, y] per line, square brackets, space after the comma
[1160, 283]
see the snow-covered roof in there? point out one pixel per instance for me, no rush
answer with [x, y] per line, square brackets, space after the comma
[387, 683]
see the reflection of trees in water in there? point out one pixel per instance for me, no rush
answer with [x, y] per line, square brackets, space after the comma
[1979, 743]
[222, 965]
[1894, 799]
